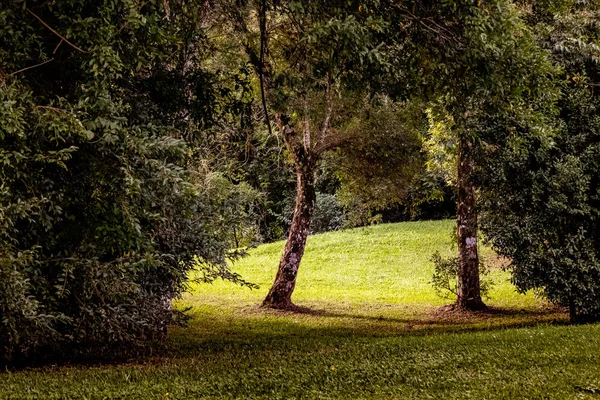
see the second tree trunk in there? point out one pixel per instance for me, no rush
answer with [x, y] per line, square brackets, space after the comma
[469, 289]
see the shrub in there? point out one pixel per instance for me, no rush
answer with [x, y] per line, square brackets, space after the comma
[541, 194]
[445, 282]
[329, 214]
[101, 219]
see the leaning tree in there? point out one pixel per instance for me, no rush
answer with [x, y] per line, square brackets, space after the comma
[308, 56]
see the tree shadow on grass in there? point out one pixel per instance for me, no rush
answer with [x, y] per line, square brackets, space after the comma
[445, 317]
[255, 327]
[253, 330]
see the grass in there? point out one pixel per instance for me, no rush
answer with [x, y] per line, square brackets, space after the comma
[375, 331]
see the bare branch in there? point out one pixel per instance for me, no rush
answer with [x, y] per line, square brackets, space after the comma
[261, 67]
[53, 108]
[33, 66]
[326, 122]
[56, 33]
[57, 46]
[167, 10]
[438, 29]
[332, 142]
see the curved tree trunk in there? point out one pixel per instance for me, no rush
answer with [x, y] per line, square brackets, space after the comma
[280, 295]
[469, 290]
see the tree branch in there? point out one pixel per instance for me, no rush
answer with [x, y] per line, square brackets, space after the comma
[33, 66]
[441, 31]
[306, 126]
[332, 143]
[261, 68]
[326, 122]
[57, 46]
[290, 138]
[53, 109]
[56, 33]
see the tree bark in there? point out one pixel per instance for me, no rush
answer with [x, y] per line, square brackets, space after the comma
[469, 289]
[280, 295]
[572, 310]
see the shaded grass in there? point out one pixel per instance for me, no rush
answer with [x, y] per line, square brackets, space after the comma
[375, 330]
[541, 362]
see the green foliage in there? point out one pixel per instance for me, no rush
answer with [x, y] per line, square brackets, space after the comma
[239, 208]
[252, 163]
[329, 214]
[441, 147]
[444, 279]
[378, 163]
[543, 200]
[100, 218]
[320, 43]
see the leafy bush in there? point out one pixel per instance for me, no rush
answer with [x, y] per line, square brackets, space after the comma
[329, 214]
[546, 221]
[445, 281]
[101, 219]
[542, 193]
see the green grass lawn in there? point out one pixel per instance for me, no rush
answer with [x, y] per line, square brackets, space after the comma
[375, 331]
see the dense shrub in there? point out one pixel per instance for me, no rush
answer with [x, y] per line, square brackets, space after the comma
[329, 214]
[100, 217]
[542, 194]
[543, 209]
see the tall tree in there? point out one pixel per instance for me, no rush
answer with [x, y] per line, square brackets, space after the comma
[542, 201]
[479, 62]
[305, 54]
[502, 79]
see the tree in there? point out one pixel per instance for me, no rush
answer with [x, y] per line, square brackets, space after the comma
[380, 163]
[542, 203]
[507, 85]
[477, 64]
[304, 54]
[101, 219]
[478, 61]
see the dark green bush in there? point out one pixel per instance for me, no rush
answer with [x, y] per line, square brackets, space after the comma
[329, 214]
[101, 219]
[541, 193]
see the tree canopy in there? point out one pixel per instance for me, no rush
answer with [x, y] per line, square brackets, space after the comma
[103, 214]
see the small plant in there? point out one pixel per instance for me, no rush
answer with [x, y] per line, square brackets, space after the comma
[445, 281]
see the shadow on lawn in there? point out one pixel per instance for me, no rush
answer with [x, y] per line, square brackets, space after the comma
[250, 329]
[444, 318]
[253, 327]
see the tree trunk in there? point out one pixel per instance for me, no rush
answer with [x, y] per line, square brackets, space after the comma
[469, 291]
[280, 295]
[572, 310]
